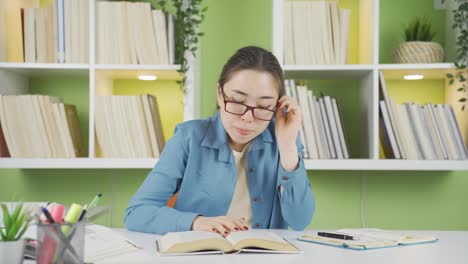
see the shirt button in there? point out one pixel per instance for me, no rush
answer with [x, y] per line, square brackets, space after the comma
[257, 225]
[285, 178]
[255, 199]
[250, 170]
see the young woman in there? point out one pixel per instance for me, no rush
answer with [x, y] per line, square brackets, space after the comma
[241, 168]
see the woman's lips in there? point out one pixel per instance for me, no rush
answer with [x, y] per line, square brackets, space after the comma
[243, 132]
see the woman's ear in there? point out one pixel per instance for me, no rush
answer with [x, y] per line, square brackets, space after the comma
[219, 96]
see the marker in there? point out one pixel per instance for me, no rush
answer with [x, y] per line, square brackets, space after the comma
[337, 236]
[71, 217]
[57, 213]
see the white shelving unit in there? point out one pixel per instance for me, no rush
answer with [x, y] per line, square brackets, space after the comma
[15, 78]
[367, 72]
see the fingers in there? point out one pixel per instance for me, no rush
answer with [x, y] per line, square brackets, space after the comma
[234, 224]
[289, 103]
[223, 225]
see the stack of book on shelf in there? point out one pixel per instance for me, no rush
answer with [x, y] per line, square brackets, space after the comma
[39, 126]
[129, 126]
[322, 131]
[132, 33]
[55, 33]
[315, 32]
[419, 132]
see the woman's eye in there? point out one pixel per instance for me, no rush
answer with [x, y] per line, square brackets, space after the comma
[266, 107]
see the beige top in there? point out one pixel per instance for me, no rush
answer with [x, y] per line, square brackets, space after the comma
[240, 205]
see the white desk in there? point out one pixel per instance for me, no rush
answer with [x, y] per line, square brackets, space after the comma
[452, 248]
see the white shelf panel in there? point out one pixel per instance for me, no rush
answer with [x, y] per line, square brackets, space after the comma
[391, 165]
[137, 67]
[429, 71]
[78, 163]
[404, 66]
[47, 69]
[129, 71]
[352, 164]
[327, 71]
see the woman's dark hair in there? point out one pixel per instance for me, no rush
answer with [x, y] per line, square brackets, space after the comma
[253, 58]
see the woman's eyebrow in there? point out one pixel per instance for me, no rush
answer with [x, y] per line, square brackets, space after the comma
[261, 97]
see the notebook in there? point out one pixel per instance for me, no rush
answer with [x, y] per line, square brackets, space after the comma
[203, 242]
[368, 238]
[102, 243]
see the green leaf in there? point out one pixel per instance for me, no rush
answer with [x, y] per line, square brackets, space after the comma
[462, 100]
[6, 217]
[463, 108]
[16, 212]
[451, 81]
[21, 233]
[460, 89]
[449, 75]
[16, 226]
[2, 235]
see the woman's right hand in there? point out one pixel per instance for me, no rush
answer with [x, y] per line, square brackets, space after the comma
[223, 225]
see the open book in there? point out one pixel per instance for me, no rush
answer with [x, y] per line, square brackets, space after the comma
[203, 242]
[368, 238]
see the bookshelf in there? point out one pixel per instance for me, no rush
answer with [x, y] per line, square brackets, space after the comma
[365, 63]
[363, 70]
[97, 79]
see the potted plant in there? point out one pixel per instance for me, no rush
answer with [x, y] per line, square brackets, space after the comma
[11, 244]
[418, 46]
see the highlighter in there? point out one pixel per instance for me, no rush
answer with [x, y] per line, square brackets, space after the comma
[71, 217]
[57, 213]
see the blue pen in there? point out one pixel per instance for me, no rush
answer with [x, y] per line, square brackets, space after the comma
[47, 215]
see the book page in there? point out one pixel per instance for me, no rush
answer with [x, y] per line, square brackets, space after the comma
[375, 233]
[180, 242]
[259, 239]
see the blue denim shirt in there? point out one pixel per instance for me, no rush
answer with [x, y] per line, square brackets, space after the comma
[198, 163]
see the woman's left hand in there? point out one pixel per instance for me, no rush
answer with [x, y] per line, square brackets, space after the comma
[286, 129]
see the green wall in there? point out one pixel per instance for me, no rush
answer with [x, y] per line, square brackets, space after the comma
[397, 200]
[395, 15]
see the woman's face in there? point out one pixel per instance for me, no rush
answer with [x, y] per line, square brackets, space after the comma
[252, 88]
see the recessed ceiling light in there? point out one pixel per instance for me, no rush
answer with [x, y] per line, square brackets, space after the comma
[147, 77]
[413, 77]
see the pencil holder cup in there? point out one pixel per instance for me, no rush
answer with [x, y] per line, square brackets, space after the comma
[61, 243]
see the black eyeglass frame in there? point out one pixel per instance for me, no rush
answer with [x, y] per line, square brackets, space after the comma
[248, 108]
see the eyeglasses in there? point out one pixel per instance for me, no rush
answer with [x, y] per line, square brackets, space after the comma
[237, 108]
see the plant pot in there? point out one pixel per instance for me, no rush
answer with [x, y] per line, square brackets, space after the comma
[418, 52]
[12, 251]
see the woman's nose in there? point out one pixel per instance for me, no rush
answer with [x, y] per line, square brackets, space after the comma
[248, 116]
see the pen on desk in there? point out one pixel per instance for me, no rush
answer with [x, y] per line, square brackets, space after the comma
[337, 236]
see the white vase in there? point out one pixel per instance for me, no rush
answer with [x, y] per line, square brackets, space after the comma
[12, 251]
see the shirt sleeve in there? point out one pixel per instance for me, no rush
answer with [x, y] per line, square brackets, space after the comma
[295, 194]
[147, 211]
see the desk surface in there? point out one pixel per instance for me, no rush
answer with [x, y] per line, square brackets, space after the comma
[452, 247]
